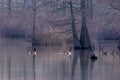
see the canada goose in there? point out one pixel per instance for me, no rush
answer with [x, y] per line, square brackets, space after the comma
[105, 53]
[115, 55]
[68, 52]
[33, 52]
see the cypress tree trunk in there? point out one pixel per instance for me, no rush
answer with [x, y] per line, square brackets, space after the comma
[25, 7]
[9, 6]
[2, 10]
[76, 42]
[34, 24]
[89, 9]
[84, 36]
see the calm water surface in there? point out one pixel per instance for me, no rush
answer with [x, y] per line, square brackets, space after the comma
[52, 64]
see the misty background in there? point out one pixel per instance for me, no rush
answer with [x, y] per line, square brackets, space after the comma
[53, 20]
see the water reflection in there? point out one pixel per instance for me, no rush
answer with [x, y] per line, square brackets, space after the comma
[52, 64]
[86, 64]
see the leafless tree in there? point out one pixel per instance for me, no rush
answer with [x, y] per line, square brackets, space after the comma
[84, 36]
[75, 37]
[9, 6]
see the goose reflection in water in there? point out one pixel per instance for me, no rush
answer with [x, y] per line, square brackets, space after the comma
[86, 63]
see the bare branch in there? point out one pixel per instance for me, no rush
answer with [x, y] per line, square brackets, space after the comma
[114, 7]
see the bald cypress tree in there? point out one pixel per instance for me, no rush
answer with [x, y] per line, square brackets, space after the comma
[2, 4]
[76, 42]
[25, 7]
[9, 6]
[34, 22]
[84, 36]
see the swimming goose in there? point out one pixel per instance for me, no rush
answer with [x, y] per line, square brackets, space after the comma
[105, 53]
[33, 52]
[68, 52]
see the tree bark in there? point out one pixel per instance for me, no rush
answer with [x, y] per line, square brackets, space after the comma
[89, 9]
[84, 36]
[2, 3]
[75, 37]
[25, 7]
[34, 23]
[9, 6]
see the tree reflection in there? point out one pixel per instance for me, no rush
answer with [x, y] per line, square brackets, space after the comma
[86, 64]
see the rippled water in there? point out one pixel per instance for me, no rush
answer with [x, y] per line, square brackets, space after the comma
[52, 64]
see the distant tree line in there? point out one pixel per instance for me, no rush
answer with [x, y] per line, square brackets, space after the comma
[54, 16]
